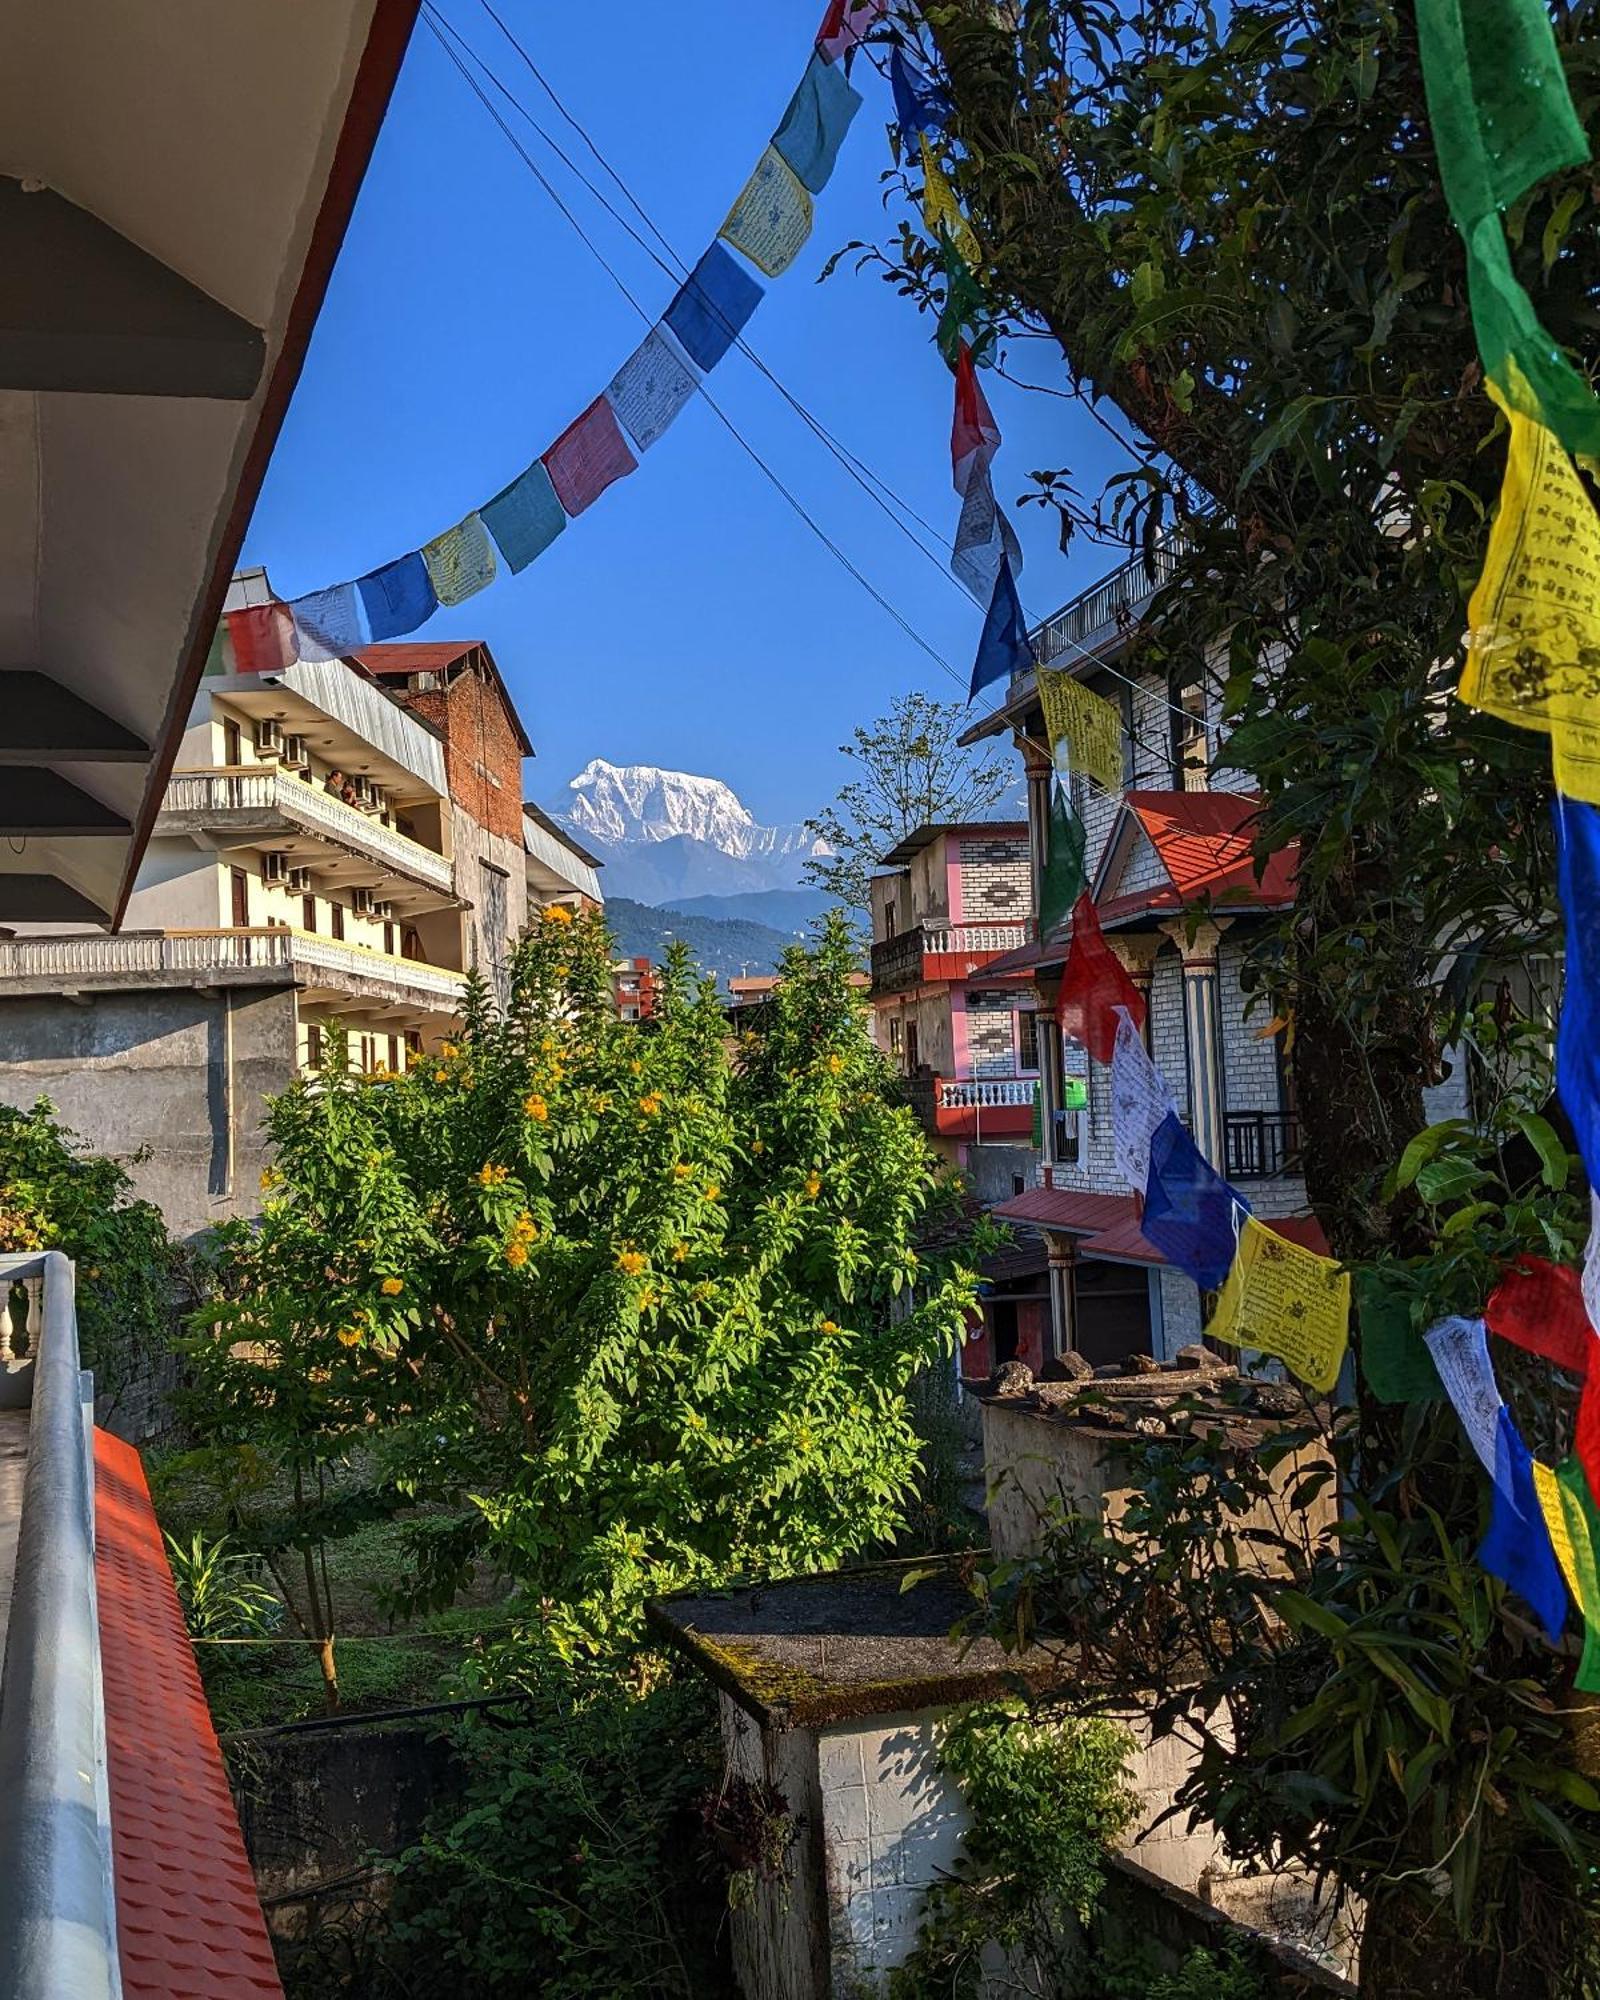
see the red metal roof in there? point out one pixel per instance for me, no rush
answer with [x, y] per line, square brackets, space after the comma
[1204, 842]
[189, 1926]
[1109, 1224]
[422, 656]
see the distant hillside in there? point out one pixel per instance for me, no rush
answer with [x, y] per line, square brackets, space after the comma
[787, 910]
[724, 946]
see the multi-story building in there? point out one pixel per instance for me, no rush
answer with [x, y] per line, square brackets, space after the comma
[1171, 875]
[332, 847]
[951, 903]
[558, 869]
[633, 989]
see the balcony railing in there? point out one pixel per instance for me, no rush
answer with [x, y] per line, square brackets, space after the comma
[984, 1093]
[299, 953]
[1258, 1145]
[246, 790]
[1103, 611]
[901, 961]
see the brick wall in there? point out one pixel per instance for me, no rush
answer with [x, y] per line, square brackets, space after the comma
[1249, 1063]
[996, 885]
[991, 1034]
[483, 757]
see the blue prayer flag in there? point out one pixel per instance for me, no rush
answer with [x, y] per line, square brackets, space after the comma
[1517, 1547]
[398, 598]
[815, 123]
[327, 623]
[1190, 1212]
[712, 306]
[524, 517]
[920, 104]
[1004, 648]
[1578, 1039]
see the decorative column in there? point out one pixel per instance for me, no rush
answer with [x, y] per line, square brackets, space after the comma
[1201, 1029]
[1037, 768]
[1138, 957]
[1063, 1302]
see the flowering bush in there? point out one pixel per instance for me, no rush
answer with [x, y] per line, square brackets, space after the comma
[651, 1300]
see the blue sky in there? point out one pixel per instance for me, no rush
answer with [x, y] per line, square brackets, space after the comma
[688, 619]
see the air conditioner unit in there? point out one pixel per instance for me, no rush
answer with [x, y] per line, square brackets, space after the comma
[274, 867]
[300, 881]
[361, 902]
[295, 754]
[269, 738]
[383, 910]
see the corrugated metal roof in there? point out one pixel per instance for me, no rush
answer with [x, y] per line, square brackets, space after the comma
[189, 1926]
[563, 861]
[347, 698]
[1071, 1212]
[1204, 840]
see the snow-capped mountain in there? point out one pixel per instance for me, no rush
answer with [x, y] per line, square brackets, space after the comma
[664, 835]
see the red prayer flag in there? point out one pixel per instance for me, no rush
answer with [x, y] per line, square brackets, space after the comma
[1094, 985]
[589, 454]
[262, 636]
[974, 435]
[845, 23]
[1586, 1440]
[1539, 1306]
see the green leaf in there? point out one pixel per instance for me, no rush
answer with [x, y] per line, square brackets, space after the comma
[1554, 1160]
[1555, 230]
[1424, 1146]
[1447, 1180]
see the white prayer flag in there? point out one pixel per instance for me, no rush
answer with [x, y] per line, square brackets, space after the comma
[1140, 1100]
[983, 536]
[650, 388]
[1460, 1350]
[771, 219]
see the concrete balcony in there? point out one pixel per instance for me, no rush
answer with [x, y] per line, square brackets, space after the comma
[935, 951]
[261, 806]
[324, 968]
[978, 1108]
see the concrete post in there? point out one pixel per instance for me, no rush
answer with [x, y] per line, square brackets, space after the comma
[1202, 1032]
[1063, 1301]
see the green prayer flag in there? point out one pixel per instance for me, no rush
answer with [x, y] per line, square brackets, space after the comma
[1583, 1525]
[1503, 120]
[1038, 1120]
[1064, 878]
[1393, 1355]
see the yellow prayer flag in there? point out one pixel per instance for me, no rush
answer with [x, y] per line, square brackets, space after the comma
[941, 210]
[1286, 1301]
[1553, 1508]
[771, 219]
[1533, 639]
[1090, 725]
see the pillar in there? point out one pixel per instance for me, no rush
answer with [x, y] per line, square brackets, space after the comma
[1138, 957]
[1063, 1303]
[1201, 1031]
[1037, 768]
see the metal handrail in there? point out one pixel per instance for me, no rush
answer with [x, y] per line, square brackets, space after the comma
[239, 788]
[57, 1906]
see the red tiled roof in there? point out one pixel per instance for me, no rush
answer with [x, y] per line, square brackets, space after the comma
[1109, 1224]
[422, 656]
[189, 1926]
[1204, 841]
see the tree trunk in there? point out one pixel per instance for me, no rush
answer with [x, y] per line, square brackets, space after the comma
[1410, 1951]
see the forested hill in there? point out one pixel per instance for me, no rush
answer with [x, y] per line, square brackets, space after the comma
[722, 945]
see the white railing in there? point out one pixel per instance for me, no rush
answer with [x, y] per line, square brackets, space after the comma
[209, 792]
[67, 958]
[991, 1093]
[959, 940]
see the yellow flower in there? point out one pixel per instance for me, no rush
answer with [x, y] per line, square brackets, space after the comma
[391, 1288]
[558, 913]
[631, 1262]
[681, 1170]
[561, 971]
[524, 1229]
[835, 1064]
[679, 1252]
[447, 1048]
[758, 1145]
[712, 1190]
[536, 1107]
[648, 1297]
[269, 1178]
[516, 1253]
[830, 1326]
[491, 1176]
[813, 1186]
[603, 1101]
[349, 1336]
[438, 1076]
[548, 1043]
[651, 1103]
[557, 1072]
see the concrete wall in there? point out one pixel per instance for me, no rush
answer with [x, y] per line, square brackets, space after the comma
[991, 1169]
[171, 1082]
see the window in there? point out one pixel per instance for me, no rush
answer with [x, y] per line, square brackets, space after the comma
[314, 1045]
[1190, 761]
[240, 882]
[394, 1052]
[232, 750]
[335, 918]
[1027, 1040]
[891, 919]
[492, 927]
[388, 939]
[308, 913]
[894, 1034]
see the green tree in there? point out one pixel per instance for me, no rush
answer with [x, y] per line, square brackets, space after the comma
[913, 771]
[654, 1306]
[1232, 226]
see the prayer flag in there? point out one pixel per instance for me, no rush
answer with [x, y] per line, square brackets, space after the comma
[525, 517]
[650, 388]
[460, 561]
[1583, 1539]
[1094, 986]
[398, 597]
[711, 308]
[1063, 878]
[845, 23]
[984, 537]
[1140, 1100]
[1517, 1547]
[1547, 1491]
[1460, 1352]
[942, 212]
[920, 105]
[1533, 633]
[262, 637]
[590, 454]
[1285, 1300]
[1086, 722]
[1191, 1215]
[1394, 1357]
[1578, 1036]
[771, 218]
[1004, 648]
[1539, 1307]
[963, 303]
[1590, 1282]
[814, 126]
[974, 434]
[327, 623]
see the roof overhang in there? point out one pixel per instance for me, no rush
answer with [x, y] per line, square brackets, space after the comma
[175, 183]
